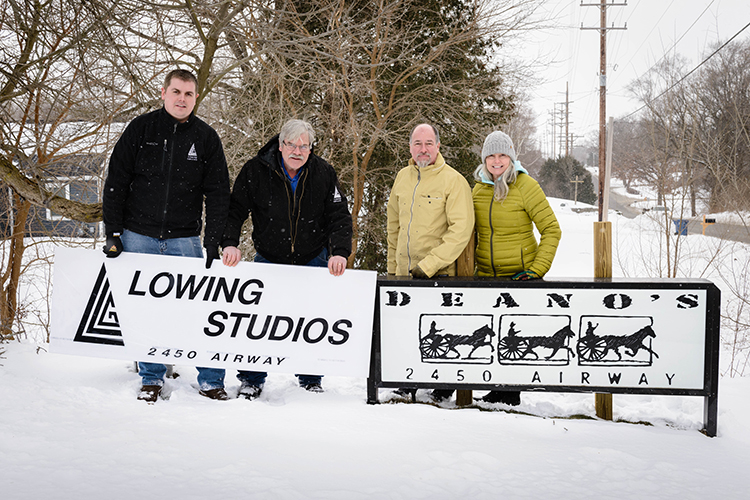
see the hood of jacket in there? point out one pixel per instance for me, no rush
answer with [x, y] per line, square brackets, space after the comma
[485, 180]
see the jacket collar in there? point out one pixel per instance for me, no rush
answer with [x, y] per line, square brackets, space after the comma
[486, 180]
[435, 167]
[173, 121]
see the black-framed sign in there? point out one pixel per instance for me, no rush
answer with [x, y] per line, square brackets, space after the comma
[648, 336]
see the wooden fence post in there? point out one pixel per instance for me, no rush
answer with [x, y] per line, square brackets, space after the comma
[465, 267]
[603, 269]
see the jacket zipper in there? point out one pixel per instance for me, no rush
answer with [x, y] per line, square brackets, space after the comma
[492, 238]
[168, 180]
[291, 204]
[297, 206]
[411, 216]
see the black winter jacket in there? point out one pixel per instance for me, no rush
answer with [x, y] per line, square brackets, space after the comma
[159, 173]
[290, 228]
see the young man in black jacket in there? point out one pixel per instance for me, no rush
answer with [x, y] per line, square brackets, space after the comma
[300, 216]
[163, 167]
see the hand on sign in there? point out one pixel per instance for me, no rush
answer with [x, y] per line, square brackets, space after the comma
[418, 273]
[525, 275]
[113, 245]
[231, 256]
[212, 254]
[337, 265]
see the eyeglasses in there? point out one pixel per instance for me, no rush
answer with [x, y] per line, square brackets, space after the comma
[303, 148]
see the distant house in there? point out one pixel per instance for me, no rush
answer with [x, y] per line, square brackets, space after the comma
[75, 177]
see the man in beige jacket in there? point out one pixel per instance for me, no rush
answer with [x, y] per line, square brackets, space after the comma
[430, 211]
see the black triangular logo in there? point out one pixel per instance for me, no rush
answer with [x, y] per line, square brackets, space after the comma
[99, 323]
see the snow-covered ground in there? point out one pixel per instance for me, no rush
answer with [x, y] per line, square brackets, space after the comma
[71, 427]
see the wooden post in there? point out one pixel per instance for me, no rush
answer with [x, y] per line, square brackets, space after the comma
[465, 267]
[603, 269]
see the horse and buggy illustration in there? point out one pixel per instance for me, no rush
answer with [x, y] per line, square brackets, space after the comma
[463, 339]
[439, 344]
[592, 347]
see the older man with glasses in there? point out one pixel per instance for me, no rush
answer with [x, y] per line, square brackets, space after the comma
[299, 214]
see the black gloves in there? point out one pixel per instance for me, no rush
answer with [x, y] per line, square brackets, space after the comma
[113, 246]
[212, 253]
[418, 273]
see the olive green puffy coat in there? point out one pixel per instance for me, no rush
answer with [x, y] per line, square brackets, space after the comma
[506, 244]
[430, 219]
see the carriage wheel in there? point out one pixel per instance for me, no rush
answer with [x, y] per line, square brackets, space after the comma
[511, 349]
[434, 347]
[591, 349]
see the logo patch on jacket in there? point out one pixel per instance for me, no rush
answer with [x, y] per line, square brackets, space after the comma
[336, 195]
[192, 155]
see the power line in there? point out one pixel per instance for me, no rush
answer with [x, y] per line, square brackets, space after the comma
[675, 43]
[691, 71]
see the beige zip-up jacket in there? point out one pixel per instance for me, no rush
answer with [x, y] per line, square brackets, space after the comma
[430, 219]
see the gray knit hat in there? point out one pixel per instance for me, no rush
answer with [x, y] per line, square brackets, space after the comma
[498, 142]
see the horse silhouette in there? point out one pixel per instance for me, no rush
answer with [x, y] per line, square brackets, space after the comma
[556, 341]
[632, 342]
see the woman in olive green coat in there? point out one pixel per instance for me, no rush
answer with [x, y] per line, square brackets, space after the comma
[506, 203]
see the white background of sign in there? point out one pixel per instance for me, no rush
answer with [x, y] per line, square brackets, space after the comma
[407, 357]
[173, 330]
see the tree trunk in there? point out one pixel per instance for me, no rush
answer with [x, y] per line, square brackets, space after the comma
[9, 296]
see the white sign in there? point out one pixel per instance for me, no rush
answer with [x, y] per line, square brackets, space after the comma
[582, 337]
[263, 317]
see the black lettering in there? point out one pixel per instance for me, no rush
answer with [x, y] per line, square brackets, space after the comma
[306, 332]
[255, 296]
[262, 333]
[617, 301]
[687, 301]
[556, 298]
[290, 324]
[189, 285]
[170, 285]
[209, 288]
[254, 359]
[133, 283]
[561, 375]
[614, 378]
[249, 332]
[221, 285]
[392, 298]
[337, 329]
[643, 379]
[238, 358]
[506, 299]
[212, 319]
[238, 319]
[216, 357]
[279, 360]
[268, 361]
[585, 378]
[536, 378]
[452, 299]
[405, 299]
[670, 378]
[298, 330]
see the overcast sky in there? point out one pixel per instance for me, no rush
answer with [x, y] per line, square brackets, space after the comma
[654, 27]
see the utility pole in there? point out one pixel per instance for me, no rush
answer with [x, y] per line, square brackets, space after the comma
[602, 88]
[603, 228]
[576, 183]
[567, 120]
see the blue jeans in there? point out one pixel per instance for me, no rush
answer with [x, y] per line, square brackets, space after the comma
[259, 378]
[153, 373]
